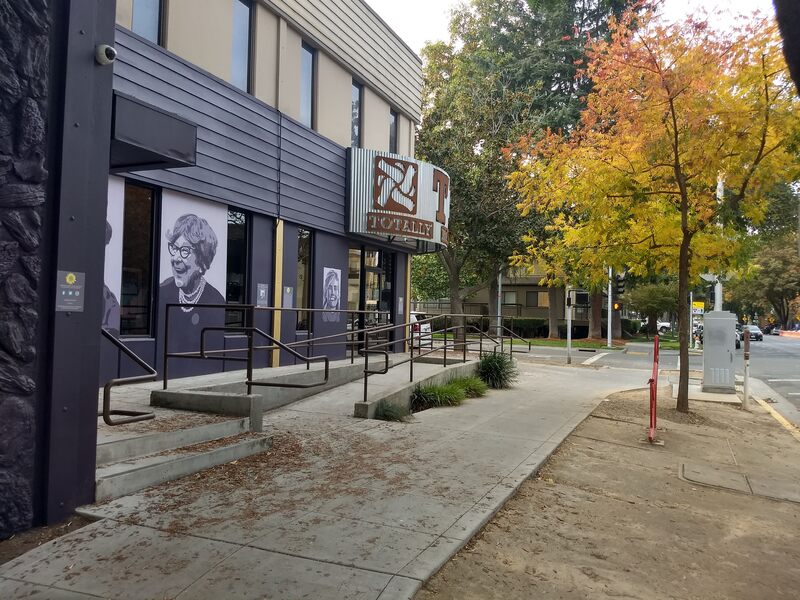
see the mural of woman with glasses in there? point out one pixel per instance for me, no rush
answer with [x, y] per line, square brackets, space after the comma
[191, 245]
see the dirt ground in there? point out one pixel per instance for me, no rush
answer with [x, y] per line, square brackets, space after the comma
[20, 543]
[608, 516]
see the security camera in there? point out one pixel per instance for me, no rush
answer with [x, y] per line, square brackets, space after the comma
[105, 54]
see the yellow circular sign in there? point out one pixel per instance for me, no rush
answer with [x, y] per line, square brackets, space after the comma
[71, 278]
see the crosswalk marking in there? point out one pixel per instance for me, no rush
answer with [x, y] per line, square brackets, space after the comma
[594, 359]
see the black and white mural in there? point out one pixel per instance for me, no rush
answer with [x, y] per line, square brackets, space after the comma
[115, 220]
[331, 293]
[193, 259]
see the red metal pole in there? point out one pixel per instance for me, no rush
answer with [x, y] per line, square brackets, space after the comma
[651, 433]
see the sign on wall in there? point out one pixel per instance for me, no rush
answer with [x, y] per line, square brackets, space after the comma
[398, 197]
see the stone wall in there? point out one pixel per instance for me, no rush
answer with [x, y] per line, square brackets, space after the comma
[24, 86]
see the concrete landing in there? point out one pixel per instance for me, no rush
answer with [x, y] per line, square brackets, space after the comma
[697, 394]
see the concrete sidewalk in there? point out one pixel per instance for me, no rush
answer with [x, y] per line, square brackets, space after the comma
[338, 508]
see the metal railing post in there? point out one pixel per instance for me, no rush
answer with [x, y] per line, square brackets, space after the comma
[411, 361]
[366, 363]
[249, 316]
[480, 339]
[166, 344]
[445, 340]
[464, 346]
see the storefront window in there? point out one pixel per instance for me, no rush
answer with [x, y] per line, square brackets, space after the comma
[236, 281]
[303, 291]
[137, 262]
[353, 278]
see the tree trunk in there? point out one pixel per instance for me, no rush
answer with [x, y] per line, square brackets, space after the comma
[493, 306]
[616, 325]
[652, 323]
[555, 296]
[596, 316]
[683, 321]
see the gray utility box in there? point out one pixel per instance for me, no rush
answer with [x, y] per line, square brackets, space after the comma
[719, 349]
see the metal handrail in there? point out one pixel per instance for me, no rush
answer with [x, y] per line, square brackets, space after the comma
[250, 311]
[132, 415]
[376, 349]
[513, 337]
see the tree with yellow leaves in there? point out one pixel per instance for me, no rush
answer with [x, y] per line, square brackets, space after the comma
[685, 130]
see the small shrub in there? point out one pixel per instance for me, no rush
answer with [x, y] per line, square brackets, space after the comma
[498, 370]
[451, 394]
[386, 411]
[474, 387]
[433, 396]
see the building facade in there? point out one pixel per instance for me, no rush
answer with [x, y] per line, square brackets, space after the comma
[255, 152]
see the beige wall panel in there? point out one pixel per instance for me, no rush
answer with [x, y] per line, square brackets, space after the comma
[265, 57]
[125, 13]
[200, 31]
[289, 42]
[375, 122]
[412, 138]
[334, 98]
[354, 34]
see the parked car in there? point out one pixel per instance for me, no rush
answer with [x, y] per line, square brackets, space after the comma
[738, 335]
[661, 326]
[755, 333]
[776, 330]
[420, 332]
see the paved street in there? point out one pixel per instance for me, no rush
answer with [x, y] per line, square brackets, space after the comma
[776, 361]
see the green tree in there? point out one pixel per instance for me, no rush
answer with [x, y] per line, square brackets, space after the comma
[509, 69]
[653, 299]
[776, 277]
[674, 108]
[428, 278]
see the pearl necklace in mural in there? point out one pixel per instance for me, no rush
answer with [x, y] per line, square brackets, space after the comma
[193, 297]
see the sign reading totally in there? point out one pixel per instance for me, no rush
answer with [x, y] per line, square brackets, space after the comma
[397, 197]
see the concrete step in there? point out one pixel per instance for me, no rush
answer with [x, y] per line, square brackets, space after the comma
[128, 476]
[151, 443]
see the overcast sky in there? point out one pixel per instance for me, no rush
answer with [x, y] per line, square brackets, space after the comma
[419, 21]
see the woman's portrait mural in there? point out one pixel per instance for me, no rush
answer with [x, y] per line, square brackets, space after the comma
[193, 260]
[331, 293]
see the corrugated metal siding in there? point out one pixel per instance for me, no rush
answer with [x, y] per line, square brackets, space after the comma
[350, 31]
[248, 154]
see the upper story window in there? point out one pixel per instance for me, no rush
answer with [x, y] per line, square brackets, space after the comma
[146, 20]
[240, 44]
[307, 57]
[392, 132]
[355, 119]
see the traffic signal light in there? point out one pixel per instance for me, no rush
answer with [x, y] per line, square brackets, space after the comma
[617, 306]
[620, 285]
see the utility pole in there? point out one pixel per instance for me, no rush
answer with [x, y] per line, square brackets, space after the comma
[500, 303]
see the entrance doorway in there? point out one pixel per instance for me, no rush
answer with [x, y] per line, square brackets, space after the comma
[371, 287]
